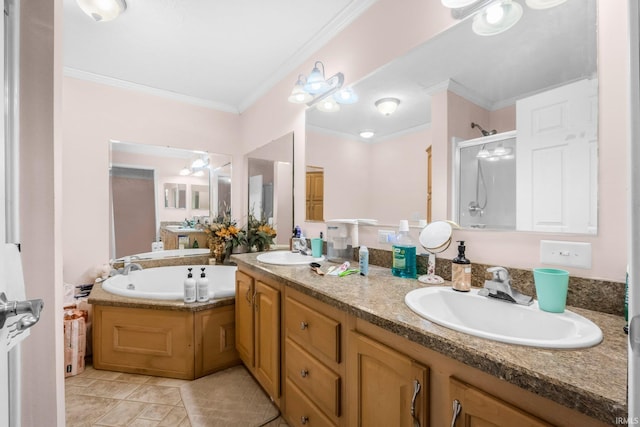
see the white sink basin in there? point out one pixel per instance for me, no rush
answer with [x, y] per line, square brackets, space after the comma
[503, 321]
[287, 258]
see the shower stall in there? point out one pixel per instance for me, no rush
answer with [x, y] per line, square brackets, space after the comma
[484, 182]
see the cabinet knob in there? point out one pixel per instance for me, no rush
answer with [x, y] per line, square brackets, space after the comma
[304, 420]
[304, 373]
[304, 325]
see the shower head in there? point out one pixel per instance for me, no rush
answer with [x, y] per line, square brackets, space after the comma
[484, 132]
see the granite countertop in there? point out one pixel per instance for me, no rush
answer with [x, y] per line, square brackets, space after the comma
[592, 381]
[99, 296]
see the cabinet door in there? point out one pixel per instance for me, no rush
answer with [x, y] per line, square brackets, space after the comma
[267, 338]
[479, 409]
[389, 388]
[244, 318]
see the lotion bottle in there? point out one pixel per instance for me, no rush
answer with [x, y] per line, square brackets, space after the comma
[189, 288]
[461, 270]
[202, 287]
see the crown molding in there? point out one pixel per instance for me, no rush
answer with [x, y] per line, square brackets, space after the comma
[123, 84]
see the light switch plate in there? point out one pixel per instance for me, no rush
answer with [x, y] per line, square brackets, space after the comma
[385, 236]
[567, 254]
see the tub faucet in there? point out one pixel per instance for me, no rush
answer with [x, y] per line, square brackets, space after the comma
[499, 287]
[131, 267]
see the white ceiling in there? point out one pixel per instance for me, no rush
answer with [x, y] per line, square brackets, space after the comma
[220, 53]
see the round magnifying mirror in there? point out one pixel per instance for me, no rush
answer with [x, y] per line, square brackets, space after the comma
[435, 237]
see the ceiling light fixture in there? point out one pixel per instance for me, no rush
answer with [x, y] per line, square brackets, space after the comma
[328, 105]
[185, 171]
[387, 106]
[544, 4]
[483, 153]
[316, 88]
[102, 10]
[367, 134]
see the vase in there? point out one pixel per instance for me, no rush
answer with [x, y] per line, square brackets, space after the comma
[218, 250]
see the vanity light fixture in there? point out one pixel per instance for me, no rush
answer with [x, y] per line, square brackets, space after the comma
[367, 134]
[483, 153]
[499, 150]
[102, 10]
[497, 17]
[328, 105]
[387, 106]
[317, 89]
[199, 173]
[185, 171]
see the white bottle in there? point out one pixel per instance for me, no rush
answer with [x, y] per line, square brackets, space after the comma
[202, 287]
[189, 288]
[363, 255]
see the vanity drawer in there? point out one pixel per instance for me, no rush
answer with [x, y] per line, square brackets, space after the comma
[312, 330]
[301, 412]
[320, 383]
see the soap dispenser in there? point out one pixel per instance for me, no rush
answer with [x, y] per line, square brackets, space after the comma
[189, 288]
[202, 287]
[461, 270]
[403, 253]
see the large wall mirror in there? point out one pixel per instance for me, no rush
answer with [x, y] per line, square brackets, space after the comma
[153, 185]
[485, 77]
[270, 181]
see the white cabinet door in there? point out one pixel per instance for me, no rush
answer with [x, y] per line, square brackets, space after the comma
[556, 162]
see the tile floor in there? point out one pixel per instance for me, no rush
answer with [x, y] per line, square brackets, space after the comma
[104, 398]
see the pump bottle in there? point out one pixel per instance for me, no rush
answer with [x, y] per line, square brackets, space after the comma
[202, 287]
[461, 270]
[189, 288]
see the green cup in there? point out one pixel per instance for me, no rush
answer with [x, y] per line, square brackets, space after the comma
[551, 288]
[316, 247]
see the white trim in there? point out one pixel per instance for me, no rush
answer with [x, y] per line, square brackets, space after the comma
[374, 139]
[123, 84]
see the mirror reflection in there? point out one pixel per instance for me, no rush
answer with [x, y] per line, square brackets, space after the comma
[270, 185]
[481, 80]
[175, 195]
[159, 192]
[314, 202]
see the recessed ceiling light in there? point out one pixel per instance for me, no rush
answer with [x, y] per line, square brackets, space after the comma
[367, 134]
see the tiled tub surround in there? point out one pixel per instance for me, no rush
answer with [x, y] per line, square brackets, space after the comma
[592, 381]
[597, 295]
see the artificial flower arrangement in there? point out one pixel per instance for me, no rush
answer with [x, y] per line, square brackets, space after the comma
[224, 235]
[259, 233]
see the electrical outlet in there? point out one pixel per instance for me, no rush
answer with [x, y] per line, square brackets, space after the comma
[385, 236]
[568, 254]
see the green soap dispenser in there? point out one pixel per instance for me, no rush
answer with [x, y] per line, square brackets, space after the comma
[461, 270]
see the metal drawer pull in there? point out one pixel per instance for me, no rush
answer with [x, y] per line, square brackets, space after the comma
[304, 373]
[304, 325]
[457, 407]
[416, 390]
[304, 420]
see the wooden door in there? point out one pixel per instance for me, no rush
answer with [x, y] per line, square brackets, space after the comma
[479, 409]
[245, 318]
[267, 338]
[387, 385]
[315, 196]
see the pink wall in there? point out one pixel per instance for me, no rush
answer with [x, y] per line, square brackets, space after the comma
[93, 114]
[41, 208]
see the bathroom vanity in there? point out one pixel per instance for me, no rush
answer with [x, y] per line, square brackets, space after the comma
[347, 351]
[170, 237]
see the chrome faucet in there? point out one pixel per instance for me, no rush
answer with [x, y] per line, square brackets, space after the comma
[131, 267]
[499, 287]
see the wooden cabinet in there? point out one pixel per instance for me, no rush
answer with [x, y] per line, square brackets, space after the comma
[258, 330]
[214, 335]
[314, 367]
[386, 388]
[477, 408]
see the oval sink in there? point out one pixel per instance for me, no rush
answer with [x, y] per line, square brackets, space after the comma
[287, 258]
[503, 321]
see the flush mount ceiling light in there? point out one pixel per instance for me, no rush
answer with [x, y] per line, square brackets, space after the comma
[316, 89]
[387, 106]
[102, 10]
[455, 4]
[496, 18]
[367, 134]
